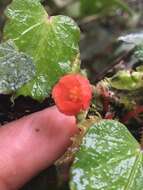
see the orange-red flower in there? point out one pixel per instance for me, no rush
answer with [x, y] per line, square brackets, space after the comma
[72, 94]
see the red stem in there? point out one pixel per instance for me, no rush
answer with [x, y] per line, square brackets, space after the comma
[109, 116]
[105, 104]
[132, 114]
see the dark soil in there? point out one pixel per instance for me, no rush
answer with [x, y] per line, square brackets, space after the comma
[23, 106]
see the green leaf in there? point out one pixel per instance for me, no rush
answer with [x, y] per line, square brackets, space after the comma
[126, 80]
[109, 159]
[51, 41]
[103, 7]
[16, 68]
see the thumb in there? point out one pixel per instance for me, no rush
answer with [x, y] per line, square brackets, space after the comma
[31, 144]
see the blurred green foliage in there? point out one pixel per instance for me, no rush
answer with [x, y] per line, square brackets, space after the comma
[103, 7]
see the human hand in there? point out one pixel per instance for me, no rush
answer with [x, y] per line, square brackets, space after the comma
[31, 144]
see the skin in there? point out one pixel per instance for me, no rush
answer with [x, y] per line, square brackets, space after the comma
[31, 144]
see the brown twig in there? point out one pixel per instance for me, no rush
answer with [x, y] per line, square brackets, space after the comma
[116, 62]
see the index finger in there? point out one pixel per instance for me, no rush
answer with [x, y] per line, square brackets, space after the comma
[31, 144]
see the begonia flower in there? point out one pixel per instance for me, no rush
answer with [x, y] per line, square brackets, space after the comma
[72, 94]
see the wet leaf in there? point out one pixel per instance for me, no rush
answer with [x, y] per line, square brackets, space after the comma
[51, 41]
[109, 159]
[139, 52]
[16, 68]
[133, 43]
[133, 38]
